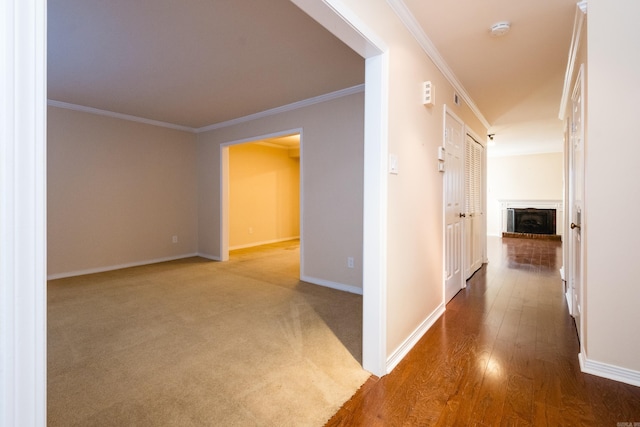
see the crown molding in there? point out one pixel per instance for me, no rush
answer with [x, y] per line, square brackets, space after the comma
[283, 109]
[289, 107]
[82, 108]
[410, 22]
[583, 6]
[581, 11]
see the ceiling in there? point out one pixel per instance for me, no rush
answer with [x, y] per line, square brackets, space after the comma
[192, 63]
[515, 80]
[197, 63]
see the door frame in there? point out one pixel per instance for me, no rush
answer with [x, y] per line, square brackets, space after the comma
[23, 48]
[576, 303]
[349, 28]
[224, 189]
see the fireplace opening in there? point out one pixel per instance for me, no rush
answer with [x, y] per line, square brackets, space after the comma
[531, 221]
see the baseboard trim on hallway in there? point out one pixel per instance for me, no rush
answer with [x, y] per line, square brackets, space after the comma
[333, 285]
[612, 372]
[413, 339]
[117, 267]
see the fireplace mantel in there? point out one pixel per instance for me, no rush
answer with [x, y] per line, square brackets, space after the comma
[538, 204]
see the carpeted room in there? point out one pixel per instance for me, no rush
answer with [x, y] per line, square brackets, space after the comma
[197, 342]
[106, 206]
[122, 182]
[120, 188]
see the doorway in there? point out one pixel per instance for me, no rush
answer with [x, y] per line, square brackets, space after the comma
[261, 192]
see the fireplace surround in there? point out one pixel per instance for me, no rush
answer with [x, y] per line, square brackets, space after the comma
[530, 217]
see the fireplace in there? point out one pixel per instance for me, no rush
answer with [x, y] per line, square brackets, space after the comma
[531, 221]
[535, 216]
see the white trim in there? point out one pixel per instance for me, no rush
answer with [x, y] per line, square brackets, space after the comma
[410, 22]
[333, 285]
[605, 370]
[23, 213]
[582, 5]
[282, 109]
[351, 30]
[339, 20]
[224, 202]
[264, 242]
[413, 339]
[285, 108]
[375, 216]
[581, 11]
[224, 189]
[120, 116]
[208, 256]
[118, 266]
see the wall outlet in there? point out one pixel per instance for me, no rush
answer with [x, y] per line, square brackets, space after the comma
[350, 262]
[174, 239]
[250, 230]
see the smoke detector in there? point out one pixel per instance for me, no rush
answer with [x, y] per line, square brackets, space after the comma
[500, 28]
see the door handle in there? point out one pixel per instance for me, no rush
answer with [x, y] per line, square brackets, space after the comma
[573, 225]
[462, 215]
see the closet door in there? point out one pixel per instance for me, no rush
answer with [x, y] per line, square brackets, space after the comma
[474, 206]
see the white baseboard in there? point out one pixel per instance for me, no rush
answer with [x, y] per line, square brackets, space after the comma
[333, 285]
[265, 242]
[117, 267]
[612, 372]
[209, 256]
[412, 340]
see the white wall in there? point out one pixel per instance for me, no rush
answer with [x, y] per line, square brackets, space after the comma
[118, 191]
[414, 238]
[332, 147]
[526, 177]
[612, 198]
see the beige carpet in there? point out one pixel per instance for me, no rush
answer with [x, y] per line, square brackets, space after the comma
[197, 342]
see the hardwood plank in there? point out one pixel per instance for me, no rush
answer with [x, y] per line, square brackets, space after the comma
[504, 353]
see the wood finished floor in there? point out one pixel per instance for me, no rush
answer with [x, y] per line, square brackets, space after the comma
[504, 353]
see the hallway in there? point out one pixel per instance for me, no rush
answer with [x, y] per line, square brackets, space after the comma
[505, 352]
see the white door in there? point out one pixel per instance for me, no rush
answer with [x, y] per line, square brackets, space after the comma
[576, 201]
[453, 205]
[473, 206]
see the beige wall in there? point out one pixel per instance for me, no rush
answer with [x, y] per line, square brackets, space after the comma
[527, 177]
[612, 197]
[264, 195]
[118, 191]
[332, 144]
[415, 198]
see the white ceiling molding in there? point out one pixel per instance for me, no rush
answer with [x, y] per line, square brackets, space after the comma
[583, 6]
[340, 21]
[289, 107]
[409, 21]
[581, 11]
[121, 116]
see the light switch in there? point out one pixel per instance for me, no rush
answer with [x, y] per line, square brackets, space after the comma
[393, 164]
